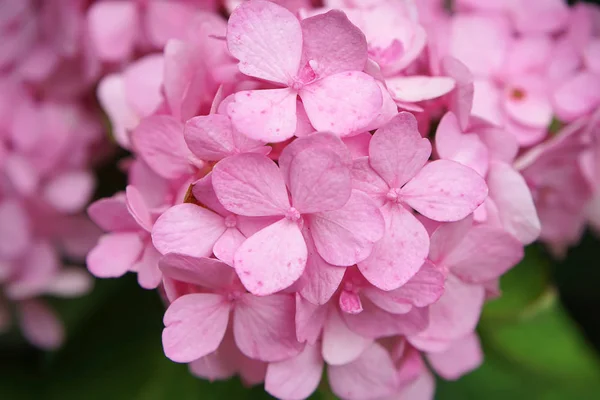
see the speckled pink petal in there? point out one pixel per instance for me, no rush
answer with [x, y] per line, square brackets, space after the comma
[445, 191]
[159, 141]
[346, 236]
[397, 151]
[320, 279]
[319, 180]
[399, 255]
[194, 326]
[250, 185]
[264, 327]
[271, 259]
[342, 103]
[332, 44]
[187, 229]
[254, 24]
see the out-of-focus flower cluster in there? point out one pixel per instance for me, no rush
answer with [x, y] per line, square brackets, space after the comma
[52, 55]
[331, 186]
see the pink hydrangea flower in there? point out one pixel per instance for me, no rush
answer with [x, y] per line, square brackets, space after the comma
[296, 221]
[302, 57]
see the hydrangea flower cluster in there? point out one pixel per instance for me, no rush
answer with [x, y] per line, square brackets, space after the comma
[314, 186]
[340, 187]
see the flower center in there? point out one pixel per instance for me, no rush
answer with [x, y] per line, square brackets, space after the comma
[230, 221]
[393, 195]
[292, 214]
[517, 94]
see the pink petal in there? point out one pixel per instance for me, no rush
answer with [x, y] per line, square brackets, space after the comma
[577, 96]
[143, 82]
[69, 192]
[370, 376]
[228, 244]
[466, 149]
[454, 315]
[250, 185]
[533, 107]
[461, 99]
[70, 282]
[254, 24]
[373, 322]
[296, 378]
[265, 115]
[421, 389]
[184, 79]
[204, 193]
[159, 141]
[210, 137]
[111, 96]
[114, 255]
[148, 274]
[113, 27]
[412, 89]
[40, 325]
[397, 151]
[399, 255]
[271, 259]
[309, 321]
[424, 288]
[136, 205]
[365, 179]
[483, 254]
[358, 145]
[36, 271]
[332, 44]
[111, 214]
[205, 272]
[321, 140]
[480, 42]
[463, 356]
[445, 191]
[320, 279]
[15, 229]
[349, 302]
[187, 229]
[446, 237]
[194, 326]
[220, 364]
[264, 327]
[342, 103]
[340, 344]
[516, 207]
[346, 236]
[166, 20]
[319, 180]
[22, 174]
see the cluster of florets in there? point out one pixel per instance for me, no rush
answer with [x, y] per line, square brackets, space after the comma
[297, 210]
[336, 185]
